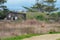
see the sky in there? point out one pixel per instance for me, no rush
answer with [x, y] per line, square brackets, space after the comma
[17, 4]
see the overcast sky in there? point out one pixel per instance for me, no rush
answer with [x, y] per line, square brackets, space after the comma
[17, 4]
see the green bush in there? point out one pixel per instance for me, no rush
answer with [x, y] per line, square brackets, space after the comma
[40, 17]
[2, 15]
[52, 31]
[58, 14]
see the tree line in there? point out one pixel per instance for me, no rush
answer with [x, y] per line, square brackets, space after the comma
[43, 6]
[40, 6]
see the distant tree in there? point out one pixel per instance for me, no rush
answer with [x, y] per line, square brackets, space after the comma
[2, 1]
[42, 7]
[36, 8]
[50, 5]
[58, 14]
[2, 4]
[3, 9]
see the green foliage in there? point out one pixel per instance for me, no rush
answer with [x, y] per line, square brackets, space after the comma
[53, 15]
[50, 1]
[32, 15]
[50, 7]
[58, 13]
[2, 1]
[43, 16]
[38, 7]
[41, 7]
[52, 31]
[3, 9]
[40, 17]
[58, 39]
[20, 37]
[2, 15]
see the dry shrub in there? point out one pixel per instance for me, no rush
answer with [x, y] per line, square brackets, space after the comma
[31, 22]
[27, 30]
[29, 27]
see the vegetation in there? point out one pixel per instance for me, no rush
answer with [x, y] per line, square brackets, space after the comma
[37, 11]
[53, 32]
[39, 7]
[42, 7]
[40, 17]
[50, 7]
[3, 9]
[58, 39]
[20, 37]
[43, 16]
[25, 36]
[35, 8]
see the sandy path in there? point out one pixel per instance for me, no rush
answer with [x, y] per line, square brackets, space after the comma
[45, 37]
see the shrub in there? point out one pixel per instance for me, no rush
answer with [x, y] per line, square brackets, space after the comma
[40, 17]
[52, 31]
[27, 30]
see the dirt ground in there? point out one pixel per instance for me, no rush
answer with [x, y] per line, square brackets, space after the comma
[45, 37]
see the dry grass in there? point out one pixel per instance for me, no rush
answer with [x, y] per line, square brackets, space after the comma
[27, 27]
